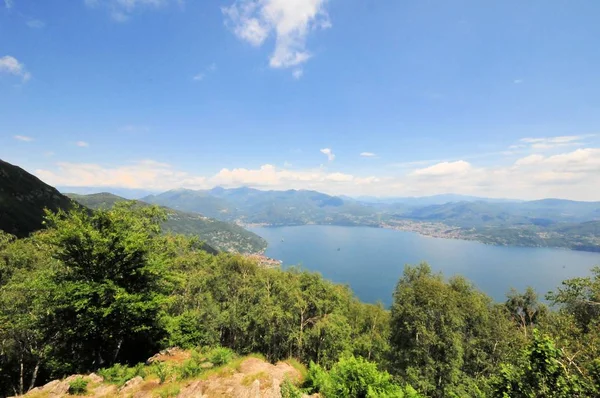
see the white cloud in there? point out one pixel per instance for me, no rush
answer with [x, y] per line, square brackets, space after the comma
[153, 175]
[11, 65]
[36, 24]
[290, 21]
[367, 154]
[444, 169]
[553, 142]
[82, 144]
[329, 153]
[297, 73]
[23, 138]
[121, 10]
[212, 68]
[570, 175]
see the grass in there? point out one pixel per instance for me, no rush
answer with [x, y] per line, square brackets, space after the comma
[167, 391]
[294, 363]
[263, 377]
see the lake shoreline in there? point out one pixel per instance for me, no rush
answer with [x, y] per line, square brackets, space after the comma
[431, 230]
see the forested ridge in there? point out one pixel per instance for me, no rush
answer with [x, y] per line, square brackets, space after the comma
[96, 289]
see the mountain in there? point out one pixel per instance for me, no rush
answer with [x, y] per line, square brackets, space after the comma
[23, 198]
[430, 200]
[539, 212]
[291, 207]
[217, 234]
[127, 193]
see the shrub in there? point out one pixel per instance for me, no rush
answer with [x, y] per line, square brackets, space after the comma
[78, 386]
[354, 377]
[220, 356]
[120, 374]
[289, 390]
[190, 368]
[162, 371]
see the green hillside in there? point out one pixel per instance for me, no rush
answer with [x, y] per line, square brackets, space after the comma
[222, 236]
[23, 198]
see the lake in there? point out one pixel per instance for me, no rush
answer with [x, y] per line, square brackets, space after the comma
[370, 260]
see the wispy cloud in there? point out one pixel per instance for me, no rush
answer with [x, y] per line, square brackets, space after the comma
[290, 21]
[297, 73]
[518, 81]
[444, 169]
[553, 142]
[368, 154]
[329, 153]
[8, 4]
[36, 24]
[12, 66]
[572, 175]
[82, 144]
[23, 138]
[121, 10]
[212, 68]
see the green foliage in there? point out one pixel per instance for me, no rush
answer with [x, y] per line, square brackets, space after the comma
[162, 370]
[119, 374]
[220, 356]
[446, 336]
[78, 386]
[110, 288]
[289, 390]
[543, 372]
[353, 378]
[190, 368]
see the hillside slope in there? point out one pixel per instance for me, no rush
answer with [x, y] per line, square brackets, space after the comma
[190, 375]
[220, 235]
[23, 198]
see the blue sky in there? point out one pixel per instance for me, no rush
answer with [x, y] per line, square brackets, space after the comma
[361, 97]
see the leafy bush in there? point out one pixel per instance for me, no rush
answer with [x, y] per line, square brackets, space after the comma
[162, 371]
[220, 356]
[190, 368]
[120, 374]
[354, 377]
[289, 390]
[78, 386]
[317, 379]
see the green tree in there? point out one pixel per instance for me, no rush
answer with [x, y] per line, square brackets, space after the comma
[110, 286]
[446, 337]
[543, 372]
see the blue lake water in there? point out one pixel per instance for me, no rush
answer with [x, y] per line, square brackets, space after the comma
[371, 260]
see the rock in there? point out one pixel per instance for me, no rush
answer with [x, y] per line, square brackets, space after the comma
[94, 378]
[131, 385]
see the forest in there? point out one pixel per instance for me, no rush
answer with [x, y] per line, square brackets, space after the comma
[95, 289]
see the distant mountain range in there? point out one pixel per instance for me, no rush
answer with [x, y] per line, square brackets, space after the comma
[213, 214]
[548, 222]
[23, 198]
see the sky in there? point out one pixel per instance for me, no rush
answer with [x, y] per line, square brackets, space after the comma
[354, 97]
